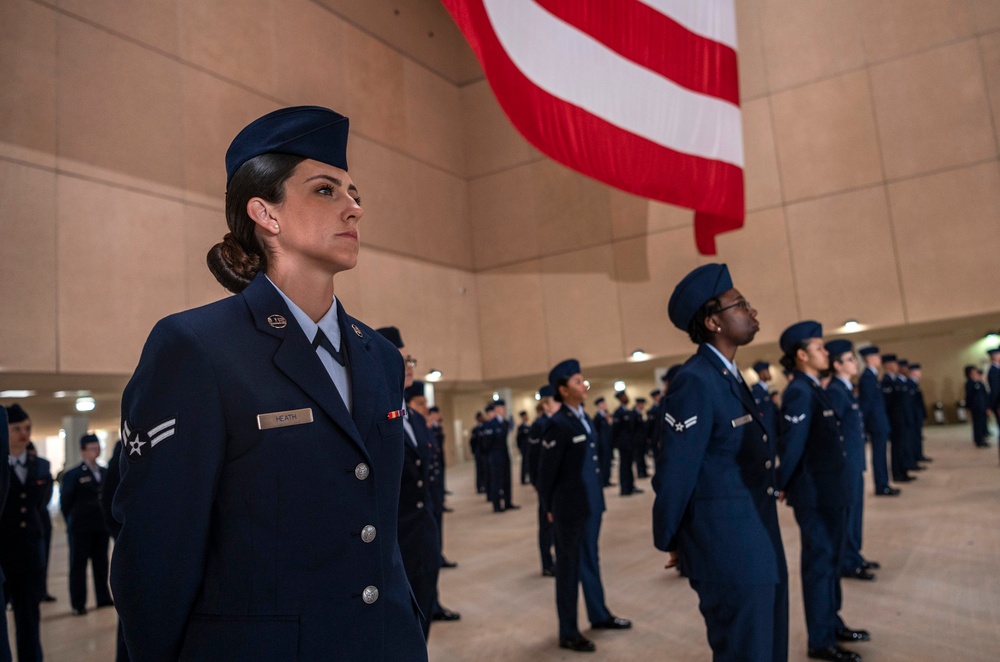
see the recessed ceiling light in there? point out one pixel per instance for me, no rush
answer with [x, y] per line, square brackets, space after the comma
[16, 393]
[85, 404]
[434, 376]
[619, 386]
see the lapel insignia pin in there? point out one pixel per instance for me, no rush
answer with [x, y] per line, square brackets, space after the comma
[277, 321]
[357, 330]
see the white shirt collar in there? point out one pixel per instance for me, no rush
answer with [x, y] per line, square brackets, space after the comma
[329, 322]
[19, 459]
[846, 382]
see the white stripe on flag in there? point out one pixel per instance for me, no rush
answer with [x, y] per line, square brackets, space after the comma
[578, 69]
[712, 19]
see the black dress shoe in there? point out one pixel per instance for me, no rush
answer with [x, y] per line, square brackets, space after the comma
[835, 653]
[48, 598]
[887, 491]
[859, 573]
[446, 509]
[579, 644]
[636, 490]
[872, 565]
[925, 459]
[446, 615]
[445, 563]
[903, 479]
[511, 506]
[80, 612]
[548, 572]
[613, 623]
[847, 634]
[106, 603]
[917, 468]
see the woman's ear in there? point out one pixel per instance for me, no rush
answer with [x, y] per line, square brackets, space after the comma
[260, 212]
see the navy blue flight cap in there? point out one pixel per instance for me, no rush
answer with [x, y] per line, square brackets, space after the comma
[868, 351]
[888, 358]
[640, 401]
[760, 366]
[621, 394]
[798, 332]
[598, 400]
[995, 350]
[903, 363]
[706, 282]
[546, 391]
[88, 439]
[914, 366]
[499, 403]
[654, 393]
[15, 414]
[414, 390]
[391, 334]
[434, 410]
[313, 132]
[837, 347]
[672, 372]
[488, 408]
[566, 369]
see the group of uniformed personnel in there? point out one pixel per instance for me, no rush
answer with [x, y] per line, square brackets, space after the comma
[982, 395]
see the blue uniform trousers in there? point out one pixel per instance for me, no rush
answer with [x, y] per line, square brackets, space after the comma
[852, 558]
[745, 622]
[822, 531]
[880, 467]
[576, 564]
[626, 479]
[546, 538]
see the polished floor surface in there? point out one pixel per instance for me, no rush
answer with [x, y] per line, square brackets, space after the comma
[937, 596]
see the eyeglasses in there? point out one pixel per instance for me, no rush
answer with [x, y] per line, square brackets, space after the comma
[410, 361]
[742, 303]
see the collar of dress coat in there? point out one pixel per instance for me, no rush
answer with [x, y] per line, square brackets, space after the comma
[730, 365]
[329, 322]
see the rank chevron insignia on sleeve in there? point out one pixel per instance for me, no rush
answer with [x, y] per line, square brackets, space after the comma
[795, 419]
[548, 444]
[140, 443]
[680, 426]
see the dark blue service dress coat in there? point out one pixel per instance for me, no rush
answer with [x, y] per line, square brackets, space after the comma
[5, 655]
[845, 403]
[570, 487]
[814, 475]
[247, 488]
[876, 419]
[762, 398]
[545, 534]
[715, 507]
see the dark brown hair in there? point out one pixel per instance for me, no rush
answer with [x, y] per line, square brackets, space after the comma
[239, 257]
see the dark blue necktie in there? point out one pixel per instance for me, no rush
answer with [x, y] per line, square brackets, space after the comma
[322, 341]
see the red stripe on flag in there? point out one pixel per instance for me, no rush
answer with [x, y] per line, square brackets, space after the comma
[655, 41]
[590, 145]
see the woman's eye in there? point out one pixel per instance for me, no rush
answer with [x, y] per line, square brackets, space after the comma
[326, 190]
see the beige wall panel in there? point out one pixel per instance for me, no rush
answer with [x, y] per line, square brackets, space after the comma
[512, 319]
[121, 268]
[572, 211]
[214, 112]
[760, 174]
[375, 88]
[437, 319]
[504, 219]
[985, 15]
[632, 216]
[28, 92]
[572, 284]
[806, 40]
[843, 259]
[152, 22]
[989, 46]
[750, 48]
[309, 56]
[826, 138]
[761, 267]
[647, 269]
[891, 28]
[944, 227]
[491, 141]
[932, 110]
[433, 116]
[203, 228]
[410, 207]
[233, 38]
[27, 268]
[120, 106]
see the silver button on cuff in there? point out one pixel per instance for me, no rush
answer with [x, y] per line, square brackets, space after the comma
[368, 533]
[770, 491]
[370, 595]
[361, 471]
[767, 464]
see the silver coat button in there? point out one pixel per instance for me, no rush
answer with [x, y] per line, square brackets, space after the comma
[368, 533]
[370, 595]
[765, 437]
[767, 464]
[420, 483]
[770, 491]
[24, 525]
[418, 463]
[361, 471]
[420, 504]
[595, 458]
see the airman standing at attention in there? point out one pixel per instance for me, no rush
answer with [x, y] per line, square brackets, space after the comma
[571, 489]
[762, 394]
[546, 540]
[715, 508]
[876, 418]
[977, 400]
[605, 445]
[522, 445]
[993, 382]
[625, 427]
[259, 497]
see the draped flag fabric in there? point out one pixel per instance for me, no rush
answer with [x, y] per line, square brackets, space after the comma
[639, 94]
